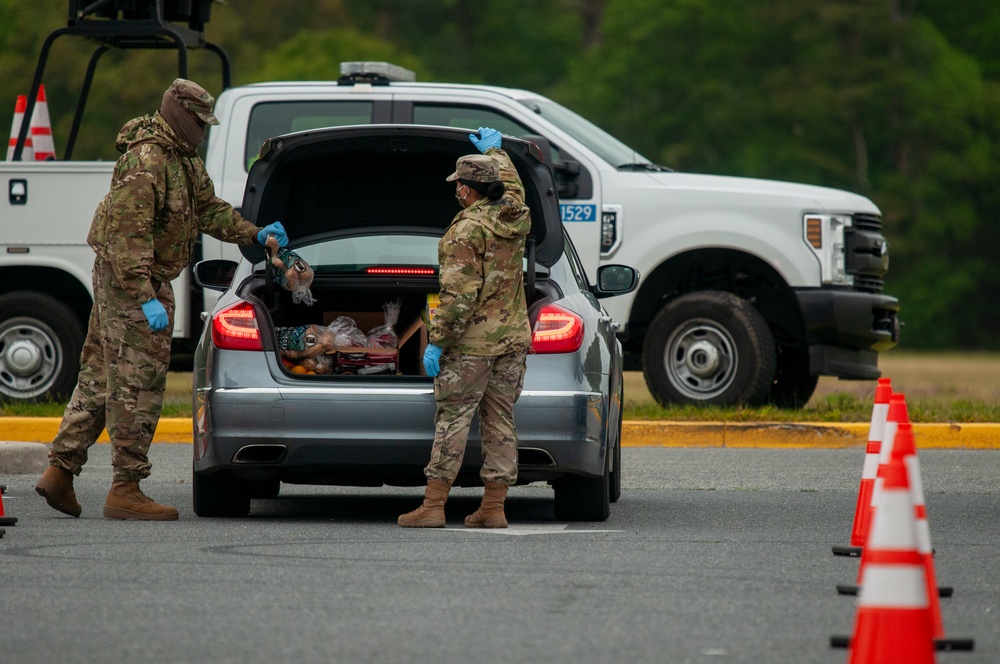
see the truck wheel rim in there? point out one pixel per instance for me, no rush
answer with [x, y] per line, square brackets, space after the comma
[700, 360]
[29, 359]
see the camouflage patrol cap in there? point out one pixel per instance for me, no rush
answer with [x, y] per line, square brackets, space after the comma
[475, 168]
[194, 98]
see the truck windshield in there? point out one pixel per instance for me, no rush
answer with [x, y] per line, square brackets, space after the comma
[586, 132]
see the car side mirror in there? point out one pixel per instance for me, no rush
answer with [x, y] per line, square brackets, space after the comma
[615, 280]
[215, 274]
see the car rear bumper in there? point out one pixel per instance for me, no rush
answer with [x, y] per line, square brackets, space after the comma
[326, 434]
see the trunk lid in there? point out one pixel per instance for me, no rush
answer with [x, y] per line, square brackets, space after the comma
[379, 179]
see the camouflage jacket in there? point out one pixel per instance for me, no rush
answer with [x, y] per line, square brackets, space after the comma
[482, 309]
[160, 199]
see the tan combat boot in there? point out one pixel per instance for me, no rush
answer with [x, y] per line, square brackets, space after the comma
[431, 513]
[127, 501]
[56, 487]
[490, 513]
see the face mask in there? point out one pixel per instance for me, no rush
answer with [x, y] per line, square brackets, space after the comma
[461, 199]
[184, 123]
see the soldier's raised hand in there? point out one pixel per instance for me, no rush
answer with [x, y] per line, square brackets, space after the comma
[488, 138]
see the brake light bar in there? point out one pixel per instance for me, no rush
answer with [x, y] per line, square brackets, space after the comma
[235, 328]
[402, 271]
[557, 330]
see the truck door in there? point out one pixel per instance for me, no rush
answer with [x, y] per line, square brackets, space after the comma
[579, 195]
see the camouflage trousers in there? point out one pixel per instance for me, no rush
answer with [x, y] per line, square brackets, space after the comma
[123, 372]
[468, 384]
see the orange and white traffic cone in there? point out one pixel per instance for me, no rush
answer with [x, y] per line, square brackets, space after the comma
[897, 413]
[41, 128]
[28, 153]
[892, 623]
[905, 451]
[862, 510]
[904, 454]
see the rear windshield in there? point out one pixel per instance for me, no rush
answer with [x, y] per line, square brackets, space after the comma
[351, 254]
[356, 254]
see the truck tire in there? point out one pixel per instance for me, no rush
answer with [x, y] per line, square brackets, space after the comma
[220, 494]
[40, 343]
[793, 385]
[709, 348]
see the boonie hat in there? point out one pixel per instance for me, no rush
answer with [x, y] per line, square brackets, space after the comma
[475, 168]
[194, 98]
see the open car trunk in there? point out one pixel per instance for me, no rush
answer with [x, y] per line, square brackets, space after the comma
[366, 303]
[384, 188]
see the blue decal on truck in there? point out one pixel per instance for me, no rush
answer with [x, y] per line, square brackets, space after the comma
[577, 212]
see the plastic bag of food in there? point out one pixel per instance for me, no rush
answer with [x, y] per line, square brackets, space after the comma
[384, 336]
[346, 333]
[291, 272]
[321, 364]
[304, 341]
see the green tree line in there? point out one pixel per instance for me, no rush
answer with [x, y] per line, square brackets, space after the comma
[898, 100]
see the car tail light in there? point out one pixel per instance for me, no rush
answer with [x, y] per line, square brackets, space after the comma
[235, 328]
[557, 330]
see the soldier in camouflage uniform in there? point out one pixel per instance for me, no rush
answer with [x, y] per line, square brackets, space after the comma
[479, 336]
[143, 232]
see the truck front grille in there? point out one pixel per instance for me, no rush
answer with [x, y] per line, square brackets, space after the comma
[866, 253]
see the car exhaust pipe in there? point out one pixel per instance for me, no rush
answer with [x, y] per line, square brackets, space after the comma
[260, 454]
[532, 456]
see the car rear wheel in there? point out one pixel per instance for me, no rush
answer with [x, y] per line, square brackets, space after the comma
[583, 498]
[220, 494]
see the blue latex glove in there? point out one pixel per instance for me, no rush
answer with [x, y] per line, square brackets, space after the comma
[275, 229]
[431, 355]
[488, 138]
[156, 315]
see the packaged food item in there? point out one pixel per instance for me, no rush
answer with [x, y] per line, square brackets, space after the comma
[304, 341]
[365, 363]
[433, 301]
[321, 364]
[384, 336]
[346, 333]
[291, 272]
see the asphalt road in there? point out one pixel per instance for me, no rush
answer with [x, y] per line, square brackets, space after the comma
[712, 555]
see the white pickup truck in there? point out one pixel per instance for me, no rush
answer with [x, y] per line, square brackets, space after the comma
[751, 289]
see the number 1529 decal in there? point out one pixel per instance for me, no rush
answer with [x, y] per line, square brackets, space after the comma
[577, 212]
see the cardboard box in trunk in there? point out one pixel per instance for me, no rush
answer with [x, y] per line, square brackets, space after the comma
[364, 360]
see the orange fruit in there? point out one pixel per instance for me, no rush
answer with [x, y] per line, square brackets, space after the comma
[297, 369]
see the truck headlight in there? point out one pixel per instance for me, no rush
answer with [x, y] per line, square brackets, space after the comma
[824, 233]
